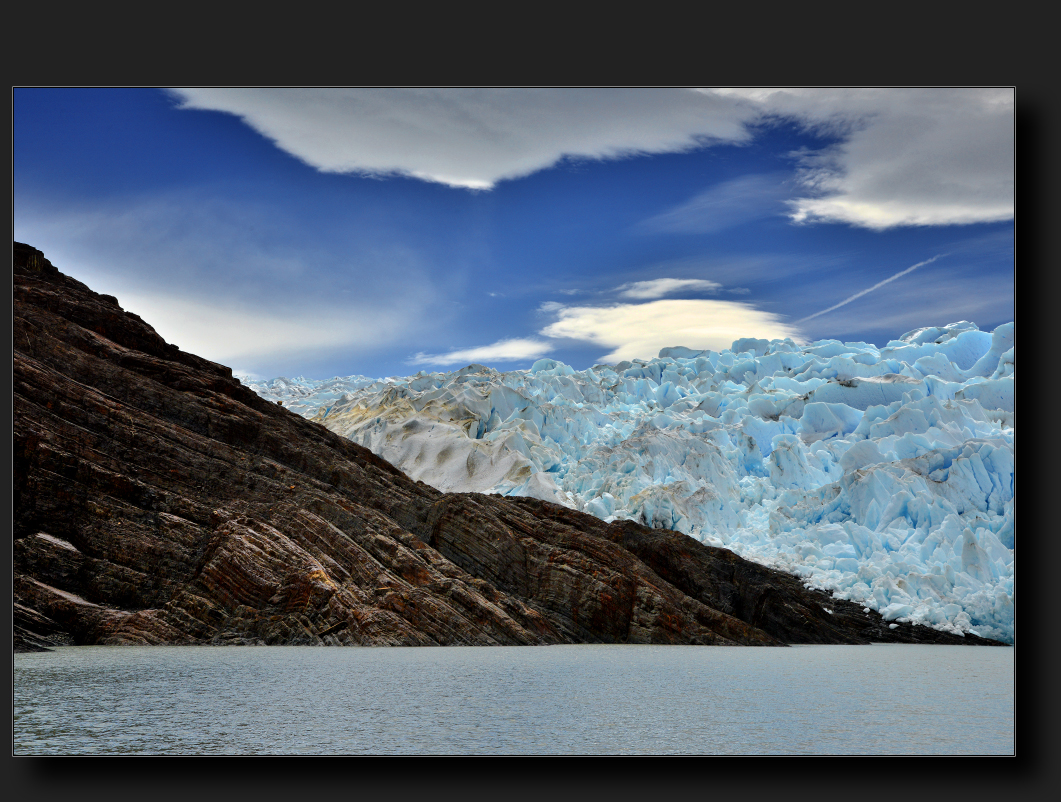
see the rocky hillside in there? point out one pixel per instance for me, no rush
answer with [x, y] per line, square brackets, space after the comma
[158, 500]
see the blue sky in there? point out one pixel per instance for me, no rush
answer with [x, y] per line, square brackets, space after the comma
[381, 232]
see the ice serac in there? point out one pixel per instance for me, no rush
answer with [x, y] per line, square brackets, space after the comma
[158, 500]
[882, 475]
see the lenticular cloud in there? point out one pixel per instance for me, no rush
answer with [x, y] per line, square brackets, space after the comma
[882, 474]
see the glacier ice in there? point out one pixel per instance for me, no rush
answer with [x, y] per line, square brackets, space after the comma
[884, 475]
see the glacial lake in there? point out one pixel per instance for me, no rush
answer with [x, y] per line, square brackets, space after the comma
[879, 699]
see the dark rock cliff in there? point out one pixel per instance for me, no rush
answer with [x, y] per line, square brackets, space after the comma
[158, 500]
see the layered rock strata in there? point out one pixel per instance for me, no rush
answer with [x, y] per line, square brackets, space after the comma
[158, 500]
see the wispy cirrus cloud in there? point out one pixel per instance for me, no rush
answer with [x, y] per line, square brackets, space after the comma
[741, 200]
[659, 287]
[511, 350]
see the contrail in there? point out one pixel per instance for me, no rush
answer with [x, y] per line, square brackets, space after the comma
[879, 284]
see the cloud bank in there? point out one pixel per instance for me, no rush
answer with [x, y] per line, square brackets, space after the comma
[904, 157]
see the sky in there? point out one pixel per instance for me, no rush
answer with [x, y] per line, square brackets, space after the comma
[380, 232]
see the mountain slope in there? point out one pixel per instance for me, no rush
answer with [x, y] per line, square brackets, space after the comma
[158, 500]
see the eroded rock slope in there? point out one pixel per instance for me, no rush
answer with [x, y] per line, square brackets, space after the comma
[158, 500]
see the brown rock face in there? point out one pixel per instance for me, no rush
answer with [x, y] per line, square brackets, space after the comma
[158, 500]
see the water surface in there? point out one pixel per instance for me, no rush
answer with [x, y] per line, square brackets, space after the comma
[880, 699]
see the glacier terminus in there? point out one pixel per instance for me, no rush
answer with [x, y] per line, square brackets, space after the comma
[882, 474]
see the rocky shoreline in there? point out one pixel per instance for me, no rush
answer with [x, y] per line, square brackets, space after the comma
[159, 501]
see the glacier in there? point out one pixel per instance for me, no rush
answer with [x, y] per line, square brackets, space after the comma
[884, 475]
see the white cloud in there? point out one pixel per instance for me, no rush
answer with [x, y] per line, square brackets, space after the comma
[905, 156]
[513, 350]
[472, 138]
[658, 287]
[639, 331]
[908, 156]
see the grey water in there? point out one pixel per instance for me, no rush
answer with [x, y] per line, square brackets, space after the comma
[878, 700]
